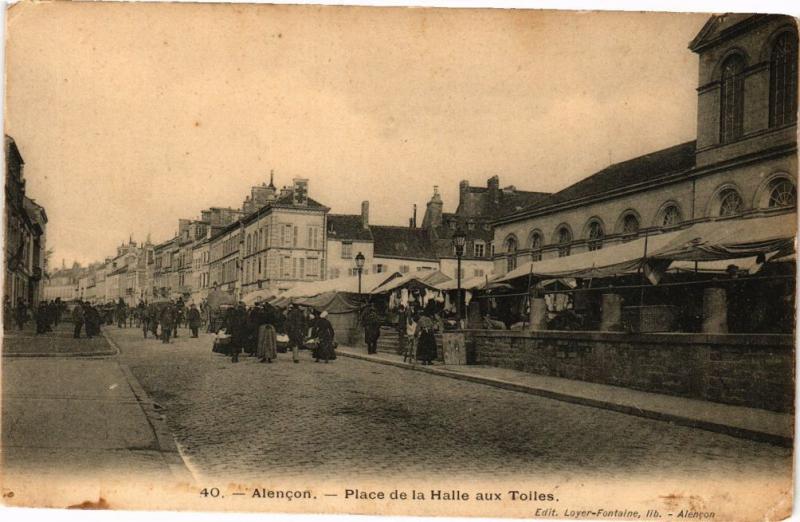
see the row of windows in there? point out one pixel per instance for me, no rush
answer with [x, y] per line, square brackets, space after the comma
[288, 236]
[782, 88]
[780, 192]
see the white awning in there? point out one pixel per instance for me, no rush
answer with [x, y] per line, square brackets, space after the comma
[707, 241]
[731, 238]
[341, 284]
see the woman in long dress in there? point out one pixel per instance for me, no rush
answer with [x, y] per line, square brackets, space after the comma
[426, 340]
[266, 345]
[325, 334]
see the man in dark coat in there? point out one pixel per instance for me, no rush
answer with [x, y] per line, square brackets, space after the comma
[402, 324]
[21, 313]
[167, 319]
[92, 320]
[180, 310]
[41, 318]
[57, 308]
[77, 319]
[372, 329]
[194, 319]
[238, 330]
[295, 329]
[121, 313]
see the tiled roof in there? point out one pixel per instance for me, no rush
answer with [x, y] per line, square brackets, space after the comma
[649, 167]
[443, 241]
[347, 227]
[402, 242]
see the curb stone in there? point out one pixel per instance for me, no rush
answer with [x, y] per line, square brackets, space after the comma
[166, 442]
[733, 431]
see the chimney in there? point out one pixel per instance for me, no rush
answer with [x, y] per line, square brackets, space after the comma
[300, 191]
[365, 214]
[493, 184]
[414, 219]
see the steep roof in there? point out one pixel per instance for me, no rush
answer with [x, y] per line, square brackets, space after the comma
[643, 169]
[402, 242]
[347, 227]
[718, 27]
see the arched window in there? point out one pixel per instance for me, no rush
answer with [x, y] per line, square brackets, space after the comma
[596, 235]
[782, 193]
[783, 80]
[564, 240]
[630, 225]
[732, 99]
[670, 216]
[511, 251]
[536, 246]
[730, 202]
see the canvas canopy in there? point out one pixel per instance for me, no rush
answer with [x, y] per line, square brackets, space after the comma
[709, 241]
[750, 264]
[732, 238]
[428, 280]
[472, 283]
[331, 302]
[342, 284]
[258, 295]
[217, 298]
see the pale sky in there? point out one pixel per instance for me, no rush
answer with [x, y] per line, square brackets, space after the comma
[130, 117]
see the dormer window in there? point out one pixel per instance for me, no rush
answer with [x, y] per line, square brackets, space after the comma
[732, 99]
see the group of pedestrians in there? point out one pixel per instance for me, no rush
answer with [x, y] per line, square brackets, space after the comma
[254, 331]
[46, 315]
[416, 329]
[162, 319]
[86, 316]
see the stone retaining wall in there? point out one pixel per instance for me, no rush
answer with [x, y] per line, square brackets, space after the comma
[747, 370]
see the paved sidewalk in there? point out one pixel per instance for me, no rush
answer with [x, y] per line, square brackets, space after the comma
[737, 421]
[58, 343]
[80, 419]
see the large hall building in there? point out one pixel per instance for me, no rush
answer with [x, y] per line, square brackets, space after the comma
[742, 164]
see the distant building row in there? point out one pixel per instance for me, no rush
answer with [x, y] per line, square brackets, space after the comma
[282, 237]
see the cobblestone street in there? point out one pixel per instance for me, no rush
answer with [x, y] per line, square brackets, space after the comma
[249, 420]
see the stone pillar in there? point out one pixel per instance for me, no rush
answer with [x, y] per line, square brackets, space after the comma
[538, 314]
[474, 319]
[611, 318]
[715, 311]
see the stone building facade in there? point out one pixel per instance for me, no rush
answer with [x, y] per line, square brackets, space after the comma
[25, 224]
[743, 163]
[283, 243]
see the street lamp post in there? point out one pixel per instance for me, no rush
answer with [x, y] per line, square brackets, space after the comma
[359, 269]
[459, 240]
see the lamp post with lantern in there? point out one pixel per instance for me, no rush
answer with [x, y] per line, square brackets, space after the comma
[459, 240]
[359, 269]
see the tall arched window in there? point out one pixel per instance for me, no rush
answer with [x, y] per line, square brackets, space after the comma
[730, 203]
[732, 99]
[595, 235]
[511, 251]
[783, 80]
[564, 240]
[536, 246]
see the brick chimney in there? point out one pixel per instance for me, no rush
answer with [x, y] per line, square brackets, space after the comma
[365, 214]
[300, 191]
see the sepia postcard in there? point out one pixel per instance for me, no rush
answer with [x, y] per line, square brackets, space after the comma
[507, 263]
